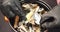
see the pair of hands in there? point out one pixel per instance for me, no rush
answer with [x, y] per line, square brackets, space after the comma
[10, 8]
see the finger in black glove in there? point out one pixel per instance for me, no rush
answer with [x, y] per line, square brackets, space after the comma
[10, 8]
[52, 18]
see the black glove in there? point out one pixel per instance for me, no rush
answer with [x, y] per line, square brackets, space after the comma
[10, 8]
[52, 18]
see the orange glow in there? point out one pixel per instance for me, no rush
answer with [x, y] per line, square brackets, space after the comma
[16, 21]
[6, 19]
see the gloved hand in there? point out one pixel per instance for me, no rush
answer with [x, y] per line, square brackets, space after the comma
[51, 19]
[10, 8]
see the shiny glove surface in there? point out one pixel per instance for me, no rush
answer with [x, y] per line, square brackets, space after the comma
[52, 18]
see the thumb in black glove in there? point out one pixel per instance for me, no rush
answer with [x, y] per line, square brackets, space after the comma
[52, 18]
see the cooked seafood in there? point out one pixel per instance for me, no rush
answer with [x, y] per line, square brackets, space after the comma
[32, 23]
